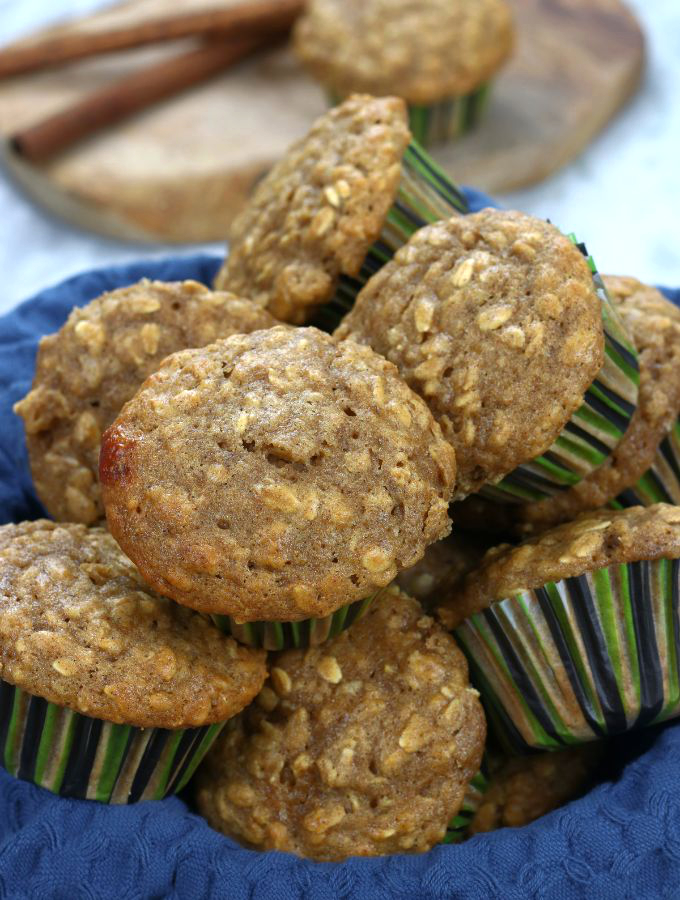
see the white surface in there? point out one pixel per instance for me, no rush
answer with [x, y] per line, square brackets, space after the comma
[622, 195]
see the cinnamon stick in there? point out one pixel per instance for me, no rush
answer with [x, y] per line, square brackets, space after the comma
[243, 19]
[133, 93]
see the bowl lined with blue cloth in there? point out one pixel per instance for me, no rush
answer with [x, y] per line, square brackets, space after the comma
[620, 838]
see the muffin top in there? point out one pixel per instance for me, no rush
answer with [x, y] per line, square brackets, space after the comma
[79, 628]
[442, 567]
[275, 476]
[654, 325]
[95, 363]
[523, 788]
[424, 51]
[593, 541]
[315, 215]
[494, 319]
[362, 747]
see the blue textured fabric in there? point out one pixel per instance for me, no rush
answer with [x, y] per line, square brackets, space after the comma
[621, 840]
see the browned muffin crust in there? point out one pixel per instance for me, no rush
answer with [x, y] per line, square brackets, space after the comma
[524, 788]
[318, 211]
[422, 50]
[593, 541]
[654, 325]
[362, 747]
[79, 628]
[493, 318]
[443, 566]
[95, 363]
[275, 476]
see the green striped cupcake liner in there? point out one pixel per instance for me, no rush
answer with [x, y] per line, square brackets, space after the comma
[594, 430]
[448, 119]
[457, 829]
[286, 635]
[77, 756]
[579, 659]
[426, 194]
[661, 482]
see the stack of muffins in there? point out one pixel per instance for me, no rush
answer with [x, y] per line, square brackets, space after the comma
[278, 499]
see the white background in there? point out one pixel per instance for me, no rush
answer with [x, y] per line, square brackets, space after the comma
[622, 195]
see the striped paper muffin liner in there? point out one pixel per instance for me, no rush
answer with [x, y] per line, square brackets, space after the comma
[661, 482]
[287, 635]
[595, 429]
[77, 756]
[579, 659]
[449, 119]
[426, 194]
[457, 829]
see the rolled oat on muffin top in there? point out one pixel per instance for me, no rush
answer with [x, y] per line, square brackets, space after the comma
[422, 51]
[494, 319]
[275, 476]
[87, 370]
[593, 541]
[79, 628]
[315, 215]
[363, 747]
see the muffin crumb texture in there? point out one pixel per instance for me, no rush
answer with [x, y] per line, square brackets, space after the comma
[79, 628]
[362, 747]
[494, 320]
[425, 51]
[275, 476]
[95, 363]
[316, 214]
[592, 541]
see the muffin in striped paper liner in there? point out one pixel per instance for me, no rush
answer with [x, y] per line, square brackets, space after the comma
[458, 828]
[333, 210]
[108, 691]
[574, 635]
[597, 426]
[441, 56]
[502, 324]
[285, 635]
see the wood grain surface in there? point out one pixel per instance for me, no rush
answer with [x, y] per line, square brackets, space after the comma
[180, 171]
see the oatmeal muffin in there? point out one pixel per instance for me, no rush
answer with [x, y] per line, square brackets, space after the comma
[645, 466]
[313, 220]
[521, 789]
[361, 748]
[439, 55]
[571, 634]
[443, 566]
[95, 363]
[496, 320]
[107, 690]
[275, 476]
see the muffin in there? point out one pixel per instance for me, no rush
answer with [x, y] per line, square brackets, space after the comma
[276, 477]
[439, 55]
[572, 636]
[644, 468]
[95, 363]
[333, 210]
[108, 691]
[442, 567]
[521, 789]
[361, 748]
[499, 322]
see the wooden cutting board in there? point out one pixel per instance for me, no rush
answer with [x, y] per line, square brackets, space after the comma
[180, 171]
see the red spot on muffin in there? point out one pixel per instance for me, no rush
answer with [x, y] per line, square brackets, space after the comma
[114, 457]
